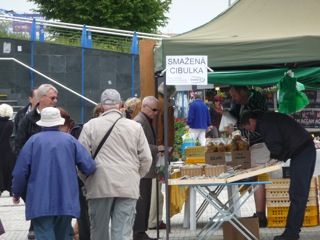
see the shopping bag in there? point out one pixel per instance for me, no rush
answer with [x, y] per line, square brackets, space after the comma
[291, 99]
[1, 228]
[187, 140]
[227, 122]
[160, 167]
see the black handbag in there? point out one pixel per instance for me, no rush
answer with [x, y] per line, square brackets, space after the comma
[104, 139]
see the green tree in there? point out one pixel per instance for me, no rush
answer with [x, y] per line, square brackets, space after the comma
[134, 15]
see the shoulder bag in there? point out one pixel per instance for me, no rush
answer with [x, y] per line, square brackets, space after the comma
[104, 138]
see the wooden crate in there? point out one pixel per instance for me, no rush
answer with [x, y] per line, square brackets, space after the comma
[191, 171]
[214, 170]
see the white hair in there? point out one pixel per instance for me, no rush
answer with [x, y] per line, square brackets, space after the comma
[43, 89]
[6, 110]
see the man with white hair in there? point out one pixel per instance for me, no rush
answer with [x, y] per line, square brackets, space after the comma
[125, 157]
[156, 217]
[46, 166]
[47, 96]
[149, 111]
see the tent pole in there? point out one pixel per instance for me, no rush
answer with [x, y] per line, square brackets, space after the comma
[166, 153]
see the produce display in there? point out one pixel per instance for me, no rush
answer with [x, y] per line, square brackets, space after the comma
[227, 145]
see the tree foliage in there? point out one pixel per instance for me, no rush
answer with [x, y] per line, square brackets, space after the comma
[133, 15]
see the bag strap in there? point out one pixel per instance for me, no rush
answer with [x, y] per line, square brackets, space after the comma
[104, 139]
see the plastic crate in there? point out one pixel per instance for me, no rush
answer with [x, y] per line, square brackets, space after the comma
[285, 202]
[264, 177]
[195, 160]
[285, 183]
[284, 193]
[283, 211]
[309, 221]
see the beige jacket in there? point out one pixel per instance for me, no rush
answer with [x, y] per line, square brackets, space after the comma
[123, 159]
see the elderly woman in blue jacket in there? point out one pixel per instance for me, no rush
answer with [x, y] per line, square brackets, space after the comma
[47, 168]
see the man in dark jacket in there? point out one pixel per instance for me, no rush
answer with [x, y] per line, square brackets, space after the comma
[246, 99]
[47, 97]
[285, 138]
[249, 99]
[149, 110]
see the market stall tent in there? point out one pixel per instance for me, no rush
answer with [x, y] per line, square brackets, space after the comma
[310, 77]
[253, 34]
[254, 42]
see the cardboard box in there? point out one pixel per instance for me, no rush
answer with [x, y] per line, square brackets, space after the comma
[230, 158]
[230, 232]
[215, 158]
[194, 151]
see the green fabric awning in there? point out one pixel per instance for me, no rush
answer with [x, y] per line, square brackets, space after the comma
[253, 33]
[310, 77]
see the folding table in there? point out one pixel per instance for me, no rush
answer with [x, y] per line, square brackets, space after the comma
[226, 211]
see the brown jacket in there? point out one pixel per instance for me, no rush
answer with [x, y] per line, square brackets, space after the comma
[160, 121]
[151, 138]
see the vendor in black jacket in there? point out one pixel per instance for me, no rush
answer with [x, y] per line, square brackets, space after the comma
[287, 139]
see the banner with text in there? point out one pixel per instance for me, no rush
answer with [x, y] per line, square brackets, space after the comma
[186, 70]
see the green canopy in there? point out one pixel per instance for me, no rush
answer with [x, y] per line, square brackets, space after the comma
[254, 33]
[308, 76]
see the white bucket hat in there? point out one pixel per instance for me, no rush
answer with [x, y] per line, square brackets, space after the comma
[50, 117]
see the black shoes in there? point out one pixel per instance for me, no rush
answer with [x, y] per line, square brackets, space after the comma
[287, 237]
[31, 235]
[263, 222]
[142, 236]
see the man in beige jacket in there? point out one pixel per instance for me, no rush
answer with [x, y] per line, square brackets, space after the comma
[124, 158]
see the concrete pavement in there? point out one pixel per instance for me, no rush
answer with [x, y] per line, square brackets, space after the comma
[16, 227]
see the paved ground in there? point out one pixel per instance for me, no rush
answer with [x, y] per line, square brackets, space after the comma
[16, 227]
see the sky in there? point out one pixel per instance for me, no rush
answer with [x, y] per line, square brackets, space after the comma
[184, 15]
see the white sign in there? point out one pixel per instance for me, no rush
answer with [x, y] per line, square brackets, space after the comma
[186, 70]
